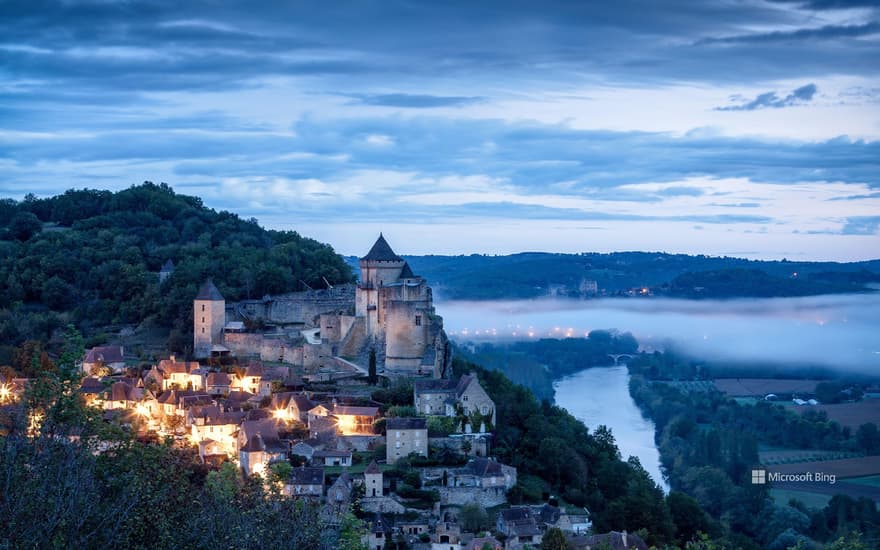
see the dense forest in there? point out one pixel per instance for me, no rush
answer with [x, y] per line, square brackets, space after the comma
[536, 274]
[92, 258]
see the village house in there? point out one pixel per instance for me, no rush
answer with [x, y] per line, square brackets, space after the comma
[447, 536]
[305, 449]
[305, 481]
[483, 473]
[448, 397]
[123, 395]
[404, 436]
[380, 531]
[520, 528]
[373, 481]
[330, 457]
[259, 445]
[355, 420]
[218, 383]
[614, 541]
[482, 543]
[338, 498]
[176, 402]
[210, 422]
[103, 357]
[291, 406]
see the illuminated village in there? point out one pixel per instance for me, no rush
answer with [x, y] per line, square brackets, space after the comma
[342, 384]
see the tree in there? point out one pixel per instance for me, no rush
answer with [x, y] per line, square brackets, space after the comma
[372, 377]
[351, 533]
[473, 518]
[554, 539]
[24, 226]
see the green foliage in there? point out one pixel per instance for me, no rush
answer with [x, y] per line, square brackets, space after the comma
[554, 453]
[532, 274]
[99, 265]
[474, 518]
[554, 539]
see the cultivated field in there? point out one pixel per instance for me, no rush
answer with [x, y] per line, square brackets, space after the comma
[790, 456]
[849, 414]
[847, 467]
[744, 387]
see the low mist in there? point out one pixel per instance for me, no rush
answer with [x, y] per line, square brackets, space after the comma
[840, 332]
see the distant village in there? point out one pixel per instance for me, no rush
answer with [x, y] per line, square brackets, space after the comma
[313, 380]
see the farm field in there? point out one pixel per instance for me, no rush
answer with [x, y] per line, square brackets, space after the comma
[745, 387]
[850, 414]
[789, 456]
[855, 477]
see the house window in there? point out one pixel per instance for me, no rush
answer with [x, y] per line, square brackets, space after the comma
[418, 320]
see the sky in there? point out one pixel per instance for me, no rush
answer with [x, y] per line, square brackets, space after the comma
[747, 128]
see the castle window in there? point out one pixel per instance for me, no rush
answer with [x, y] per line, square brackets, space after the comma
[203, 330]
[203, 307]
[418, 320]
[203, 319]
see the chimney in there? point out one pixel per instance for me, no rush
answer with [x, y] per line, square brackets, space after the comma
[173, 360]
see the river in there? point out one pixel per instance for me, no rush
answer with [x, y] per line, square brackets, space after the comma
[600, 395]
[837, 332]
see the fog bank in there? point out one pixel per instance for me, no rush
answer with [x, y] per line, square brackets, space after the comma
[836, 331]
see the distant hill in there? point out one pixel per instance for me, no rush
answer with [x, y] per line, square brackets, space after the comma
[535, 274]
[93, 258]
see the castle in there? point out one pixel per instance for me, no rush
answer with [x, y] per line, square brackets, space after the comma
[389, 312]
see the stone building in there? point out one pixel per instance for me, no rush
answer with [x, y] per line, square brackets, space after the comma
[447, 397]
[404, 436]
[209, 318]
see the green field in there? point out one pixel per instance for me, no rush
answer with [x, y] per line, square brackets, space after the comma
[810, 500]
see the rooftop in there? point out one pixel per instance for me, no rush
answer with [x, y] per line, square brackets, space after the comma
[381, 252]
[209, 292]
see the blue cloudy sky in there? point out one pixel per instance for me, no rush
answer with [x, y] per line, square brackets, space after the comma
[747, 128]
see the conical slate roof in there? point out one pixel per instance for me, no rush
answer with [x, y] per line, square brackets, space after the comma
[209, 292]
[382, 252]
[406, 272]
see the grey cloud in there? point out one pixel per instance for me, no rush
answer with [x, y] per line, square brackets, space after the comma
[857, 197]
[821, 33]
[414, 101]
[798, 96]
[861, 225]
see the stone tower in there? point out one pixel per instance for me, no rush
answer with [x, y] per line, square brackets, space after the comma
[380, 267]
[209, 318]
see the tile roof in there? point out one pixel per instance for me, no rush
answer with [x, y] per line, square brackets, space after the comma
[406, 272]
[406, 424]
[254, 444]
[355, 411]
[373, 468]
[305, 475]
[435, 385]
[104, 354]
[381, 252]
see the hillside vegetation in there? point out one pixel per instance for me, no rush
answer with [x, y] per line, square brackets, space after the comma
[92, 258]
[536, 274]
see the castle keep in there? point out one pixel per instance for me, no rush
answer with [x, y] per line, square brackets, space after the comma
[390, 312]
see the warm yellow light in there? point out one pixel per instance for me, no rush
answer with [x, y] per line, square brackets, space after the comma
[4, 392]
[142, 410]
[346, 424]
[281, 414]
[259, 468]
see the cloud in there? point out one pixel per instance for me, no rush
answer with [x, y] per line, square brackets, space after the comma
[681, 191]
[827, 32]
[413, 101]
[861, 225]
[857, 197]
[770, 100]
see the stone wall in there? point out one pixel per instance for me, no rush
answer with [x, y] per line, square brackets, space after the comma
[459, 496]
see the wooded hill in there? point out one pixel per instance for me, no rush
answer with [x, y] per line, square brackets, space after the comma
[536, 274]
[93, 258]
